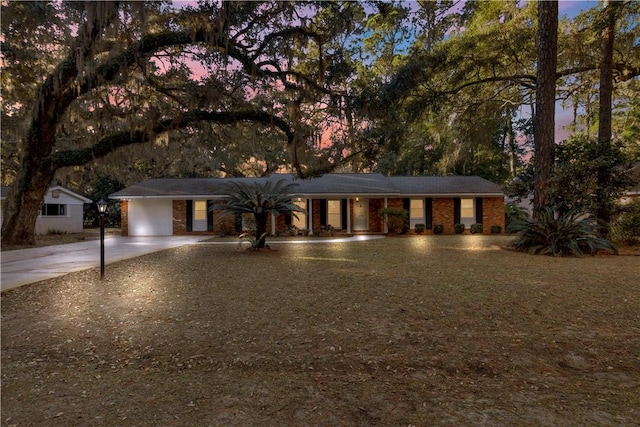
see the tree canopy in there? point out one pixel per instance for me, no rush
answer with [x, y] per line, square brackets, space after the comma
[131, 90]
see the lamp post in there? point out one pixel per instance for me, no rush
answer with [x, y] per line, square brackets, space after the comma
[102, 208]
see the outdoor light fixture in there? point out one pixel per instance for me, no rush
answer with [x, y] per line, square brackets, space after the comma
[102, 208]
[357, 199]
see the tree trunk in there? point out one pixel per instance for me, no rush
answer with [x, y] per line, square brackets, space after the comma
[547, 49]
[55, 94]
[603, 209]
[261, 229]
[22, 210]
[27, 194]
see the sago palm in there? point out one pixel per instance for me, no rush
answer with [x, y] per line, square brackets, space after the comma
[552, 233]
[261, 200]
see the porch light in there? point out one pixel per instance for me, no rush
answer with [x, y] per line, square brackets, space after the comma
[357, 199]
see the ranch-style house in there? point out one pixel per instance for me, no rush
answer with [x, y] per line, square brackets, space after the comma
[348, 202]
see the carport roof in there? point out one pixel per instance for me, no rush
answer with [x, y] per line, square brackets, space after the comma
[337, 184]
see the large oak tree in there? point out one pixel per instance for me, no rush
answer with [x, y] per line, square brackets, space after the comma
[122, 74]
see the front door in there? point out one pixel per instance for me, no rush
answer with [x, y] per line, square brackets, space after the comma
[360, 214]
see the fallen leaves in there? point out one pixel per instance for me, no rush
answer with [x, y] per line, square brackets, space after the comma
[395, 336]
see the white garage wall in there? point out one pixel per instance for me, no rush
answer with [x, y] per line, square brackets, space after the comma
[150, 217]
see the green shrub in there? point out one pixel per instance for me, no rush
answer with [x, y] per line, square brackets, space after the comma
[458, 228]
[438, 229]
[324, 231]
[396, 219]
[559, 234]
[625, 228]
[419, 228]
[476, 228]
[496, 229]
[514, 214]
[54, 232]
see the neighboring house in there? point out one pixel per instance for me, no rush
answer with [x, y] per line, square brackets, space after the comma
[62, 210]
[347, 202]
[634, 192]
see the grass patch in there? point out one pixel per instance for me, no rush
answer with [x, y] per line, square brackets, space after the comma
[428, 330]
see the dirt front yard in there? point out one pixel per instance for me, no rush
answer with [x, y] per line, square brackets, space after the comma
[428, 330]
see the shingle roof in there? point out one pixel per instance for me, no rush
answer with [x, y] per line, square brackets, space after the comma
[325, 185]
[4, 192]
[418, 185]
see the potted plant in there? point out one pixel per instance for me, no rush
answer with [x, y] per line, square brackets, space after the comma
[458, 228]
[438, 229]
[496, 229]
[419, 228]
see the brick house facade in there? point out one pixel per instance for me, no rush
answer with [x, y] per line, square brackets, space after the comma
[350, 203]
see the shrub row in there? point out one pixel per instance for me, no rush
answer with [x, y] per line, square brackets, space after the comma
[459, 228]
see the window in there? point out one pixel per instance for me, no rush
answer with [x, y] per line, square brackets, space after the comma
[466, 208]
[467, 212]
[334, 213]
[416, 212]
[52, 209]
[200, 210]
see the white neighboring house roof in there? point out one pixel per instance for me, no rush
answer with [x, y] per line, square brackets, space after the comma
[66, 195]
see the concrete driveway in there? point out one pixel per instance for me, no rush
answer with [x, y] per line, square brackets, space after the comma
[24, 266]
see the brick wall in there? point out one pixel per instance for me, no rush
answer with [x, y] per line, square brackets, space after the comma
[395, 203]
[492, 213]
[443, 214]
[124, 217]
[376, 223]
[315, 208]
[179, 217]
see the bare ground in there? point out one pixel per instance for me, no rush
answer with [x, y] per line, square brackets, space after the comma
[429, 330]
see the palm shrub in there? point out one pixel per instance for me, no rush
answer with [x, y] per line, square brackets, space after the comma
[559, 234]
[261, 200]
